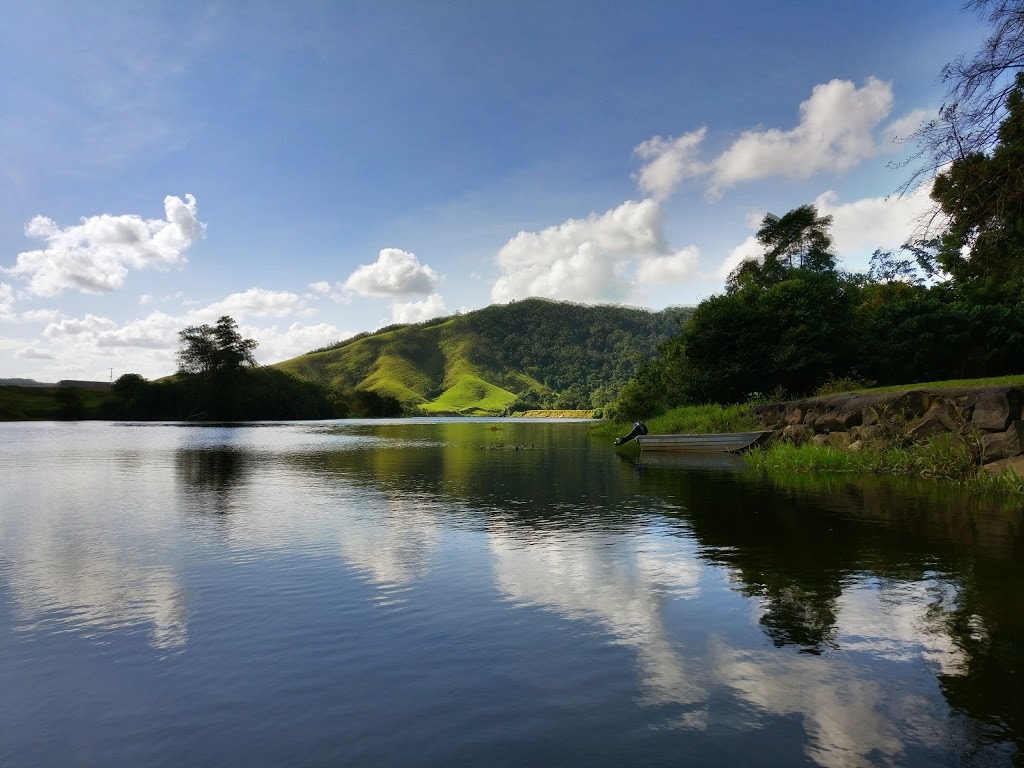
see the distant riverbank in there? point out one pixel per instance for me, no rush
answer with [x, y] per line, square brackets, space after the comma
[549, 414]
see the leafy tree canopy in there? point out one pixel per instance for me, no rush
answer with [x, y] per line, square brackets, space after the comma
[218, 348]
[800, 239]
[983, 196]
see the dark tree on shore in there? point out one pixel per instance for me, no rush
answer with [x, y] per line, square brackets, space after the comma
[798, 240]
[217, 348]
[982, 194]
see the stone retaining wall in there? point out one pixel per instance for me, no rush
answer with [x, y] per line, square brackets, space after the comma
[854, 420]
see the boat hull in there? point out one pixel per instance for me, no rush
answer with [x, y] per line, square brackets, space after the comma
[723, 443]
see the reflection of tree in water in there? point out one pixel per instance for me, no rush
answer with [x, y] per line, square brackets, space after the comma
[214, 475]
[802, 543]
[798, 617]
[987, 624]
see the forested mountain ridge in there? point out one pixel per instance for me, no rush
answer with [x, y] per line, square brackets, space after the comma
[534, 353]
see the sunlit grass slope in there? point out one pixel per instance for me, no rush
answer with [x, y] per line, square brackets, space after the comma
[481, 362]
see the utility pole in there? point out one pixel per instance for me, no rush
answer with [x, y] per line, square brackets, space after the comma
[111, 377]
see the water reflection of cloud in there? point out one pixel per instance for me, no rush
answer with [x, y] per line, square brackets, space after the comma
[851, 714]
[849, 720]
[623, 583]
[391, 540]
[94, 582]
[901, 622]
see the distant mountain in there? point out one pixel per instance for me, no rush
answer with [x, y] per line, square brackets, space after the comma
[24, 383]
[533, 353]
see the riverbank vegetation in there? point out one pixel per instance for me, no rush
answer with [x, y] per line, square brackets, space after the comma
[940, 456]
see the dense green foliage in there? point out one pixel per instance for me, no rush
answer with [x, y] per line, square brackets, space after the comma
[220, 347]
[242, 395]
[505, 358]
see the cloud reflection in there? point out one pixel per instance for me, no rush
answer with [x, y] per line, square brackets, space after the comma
[95, 583]
[391, 540]
[622, 583]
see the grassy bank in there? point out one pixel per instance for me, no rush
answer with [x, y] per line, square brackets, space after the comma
[944, 457]
[691, 419]
[994, 381]
[549, 414]
[941, 456]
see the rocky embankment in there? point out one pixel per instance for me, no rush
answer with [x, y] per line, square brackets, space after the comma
[851, 421]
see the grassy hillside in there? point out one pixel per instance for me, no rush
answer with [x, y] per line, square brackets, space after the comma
[534, 353]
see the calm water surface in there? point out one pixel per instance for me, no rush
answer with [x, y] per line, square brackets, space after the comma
[451, 592]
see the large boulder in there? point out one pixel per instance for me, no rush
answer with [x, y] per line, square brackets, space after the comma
[865, 432]
[907, 406]
[794, 416]
[995, 410]
[772, 416]
[940, 417]
[797, 433]
[1003, 445]
[1015, 464]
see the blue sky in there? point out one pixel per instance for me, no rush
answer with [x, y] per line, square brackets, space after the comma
[319, 169]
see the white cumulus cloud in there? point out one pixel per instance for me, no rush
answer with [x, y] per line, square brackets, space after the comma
[835, 133]
[670, 268]
[875, 222]
[419, 311]
[902, 128]
[39, 315]
[297, 339]
[599, 258]
[395, 273]
[258, 302]
[668, 162]
[34, 353]
[6, 302]
[748, 250]
[95, 255]
[155, 331]
[88, 327]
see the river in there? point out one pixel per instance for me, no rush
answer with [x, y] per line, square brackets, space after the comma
[489, 592]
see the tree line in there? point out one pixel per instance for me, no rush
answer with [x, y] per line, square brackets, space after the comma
[218, 380]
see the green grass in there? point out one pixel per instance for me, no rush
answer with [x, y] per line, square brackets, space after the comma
[398, 377]
[471, 396]
[552, 414]
[942, 456]
[41, 404]
[693, 419]
[994, 381]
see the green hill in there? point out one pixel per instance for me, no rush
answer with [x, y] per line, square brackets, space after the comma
[527, 354]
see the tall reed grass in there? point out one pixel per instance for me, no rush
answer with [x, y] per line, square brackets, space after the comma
[941, 456]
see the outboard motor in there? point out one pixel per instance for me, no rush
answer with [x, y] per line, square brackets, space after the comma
[639, 429]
